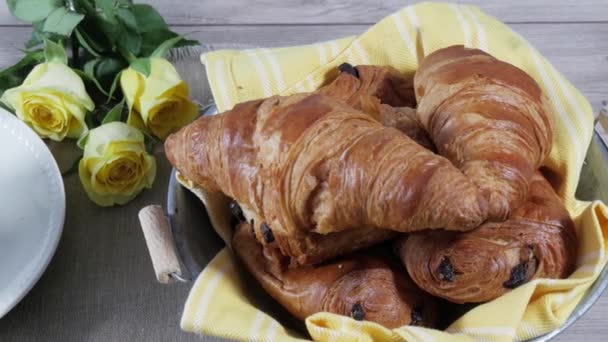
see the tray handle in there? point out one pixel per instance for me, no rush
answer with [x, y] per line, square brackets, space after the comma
[161, 245]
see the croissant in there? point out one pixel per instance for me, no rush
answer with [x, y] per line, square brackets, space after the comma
[538, 241]
[382, 82]
[365, 286]
[404, 119]
[315, 248]
[309, 164]
[382, 92]
[489, 118]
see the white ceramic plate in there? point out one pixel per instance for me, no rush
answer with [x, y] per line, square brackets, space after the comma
[32, 209]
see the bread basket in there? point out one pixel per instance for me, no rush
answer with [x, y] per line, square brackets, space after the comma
[181, 240]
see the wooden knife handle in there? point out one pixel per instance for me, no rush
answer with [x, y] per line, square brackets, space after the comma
[161, 245]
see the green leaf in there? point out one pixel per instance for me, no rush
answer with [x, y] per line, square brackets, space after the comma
[62, 21]
[128, 18]
[5, 107]
[84, 42]
[114, 86]
[151, 40]
[111, 30]
[36, 37]
[187, 42]
[10, 81]
[87, 6]
[106, 6]
[33, 10]
[82, 141]
[31, 58]
[143, 66]
[54, 52]
[167, 45]
[115, 113]
[93, 34]
[89, 118]
[89, 67]
[34, 41]
[13, 76]
[153, 29]
[129, 40]
[103, 72]
[107, 69]
[106, 21]
[92, 79]
[148, 19]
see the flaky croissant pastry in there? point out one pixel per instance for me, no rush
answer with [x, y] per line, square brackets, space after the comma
[382, 82]
[489, 118]
[384, 93]
[314, 247]
[537, 241]
[309, 164]
[365, 286]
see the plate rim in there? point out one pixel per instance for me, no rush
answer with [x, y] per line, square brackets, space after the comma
[56, 231]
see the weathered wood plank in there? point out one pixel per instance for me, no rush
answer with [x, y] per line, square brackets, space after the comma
[365, 12]
[579, 51]
[353, 12]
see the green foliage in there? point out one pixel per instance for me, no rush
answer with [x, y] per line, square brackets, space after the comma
[82, 141]
[115, 114]
[14, 75]
[103, 36]
[114, 86]
[33, 10]
[54, 52]
[142, 65]
[167, 45]
[62, 21]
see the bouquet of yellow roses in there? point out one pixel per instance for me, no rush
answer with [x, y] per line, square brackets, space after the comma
[94, 71]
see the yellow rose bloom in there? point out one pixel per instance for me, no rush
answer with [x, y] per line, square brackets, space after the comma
[52, 100]
[160, 102]
[115, 166]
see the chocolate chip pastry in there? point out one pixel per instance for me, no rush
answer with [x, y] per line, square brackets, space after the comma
[365, 285]
[308, 164]
[537, 241]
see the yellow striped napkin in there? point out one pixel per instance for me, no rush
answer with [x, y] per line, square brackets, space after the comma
[219, 303]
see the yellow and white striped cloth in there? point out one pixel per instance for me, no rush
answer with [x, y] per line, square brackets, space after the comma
[219, 303]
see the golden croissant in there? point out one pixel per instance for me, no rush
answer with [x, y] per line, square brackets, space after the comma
[537, 241]
[382, 82]
[382, 92]
[366, 286]
[312, 248]
[489, 118]
[307, 164]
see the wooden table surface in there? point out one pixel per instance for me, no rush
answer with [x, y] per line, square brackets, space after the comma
[100, 284]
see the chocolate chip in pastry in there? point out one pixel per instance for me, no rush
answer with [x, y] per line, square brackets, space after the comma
[537, 241]
[366, 285]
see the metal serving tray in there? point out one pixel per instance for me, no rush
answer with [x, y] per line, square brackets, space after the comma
[197, 243]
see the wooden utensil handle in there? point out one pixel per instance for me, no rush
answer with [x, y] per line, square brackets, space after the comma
[161, 245]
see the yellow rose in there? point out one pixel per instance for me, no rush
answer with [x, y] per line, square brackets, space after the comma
[159, 102]
[52, 100]
[115, 166]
